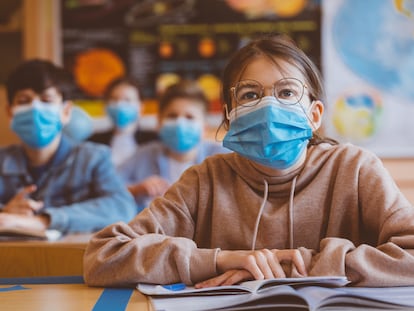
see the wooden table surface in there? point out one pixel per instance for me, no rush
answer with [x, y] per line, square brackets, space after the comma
[33, 258]
[70, 297]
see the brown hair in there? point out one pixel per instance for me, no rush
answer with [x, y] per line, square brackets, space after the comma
[271, 47]
[183, 89]
[121, 81]
[38, 75]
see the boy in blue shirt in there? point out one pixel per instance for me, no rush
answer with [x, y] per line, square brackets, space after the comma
[155, 166]
[49, 181]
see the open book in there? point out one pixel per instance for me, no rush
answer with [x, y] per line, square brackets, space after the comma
[310, 293]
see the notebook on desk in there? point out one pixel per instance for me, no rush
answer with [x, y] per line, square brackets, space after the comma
[315, 294]
[12, 233]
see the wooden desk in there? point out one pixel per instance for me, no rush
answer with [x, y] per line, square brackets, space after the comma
[62, 297]
[43, 258]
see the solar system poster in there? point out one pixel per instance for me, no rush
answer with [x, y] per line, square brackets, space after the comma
[368, 62]
[158, 42]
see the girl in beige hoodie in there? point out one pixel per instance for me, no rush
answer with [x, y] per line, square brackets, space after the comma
[286, 203]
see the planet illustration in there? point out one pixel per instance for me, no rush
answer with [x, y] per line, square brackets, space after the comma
[263, 8]
[405, 7]
[356, 116]
[95, 68]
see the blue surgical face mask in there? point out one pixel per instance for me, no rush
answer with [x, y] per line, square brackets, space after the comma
[80, 125]
[122, 113]
[181, 135]
[270, 133]
[37, 124]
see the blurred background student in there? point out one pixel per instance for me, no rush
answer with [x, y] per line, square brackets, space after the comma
[48, 180]
[123, 106]
[181, 127]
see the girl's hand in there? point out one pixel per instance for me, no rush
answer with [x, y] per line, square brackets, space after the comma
[229, 277]
[261, 264]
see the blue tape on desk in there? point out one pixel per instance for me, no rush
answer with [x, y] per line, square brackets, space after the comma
[12, 288]
[113, 299]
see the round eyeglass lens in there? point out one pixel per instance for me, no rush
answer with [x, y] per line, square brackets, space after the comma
[288, 91]
[248, 92]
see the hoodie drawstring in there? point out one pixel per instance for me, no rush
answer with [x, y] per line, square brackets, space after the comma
[259, 215]
[256, 226]
[292, 194]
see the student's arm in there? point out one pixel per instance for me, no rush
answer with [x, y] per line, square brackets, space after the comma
[156, 247]
[109, 199]
[141, 174]
[386, 217]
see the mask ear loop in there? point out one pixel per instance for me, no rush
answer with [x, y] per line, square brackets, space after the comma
[306, 114]
[227, 112]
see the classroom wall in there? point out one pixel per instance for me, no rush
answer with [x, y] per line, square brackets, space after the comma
[6, 135]
[39, 21]
[402, 170]
[41, 37]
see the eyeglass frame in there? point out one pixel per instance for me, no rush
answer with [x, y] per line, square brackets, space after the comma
[233, 91]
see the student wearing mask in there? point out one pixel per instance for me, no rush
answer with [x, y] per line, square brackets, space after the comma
[123, 106]
[49, 181]
[181, 127]
[286, 203]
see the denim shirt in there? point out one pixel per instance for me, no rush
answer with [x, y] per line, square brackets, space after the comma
[80, 189]
[151, 159]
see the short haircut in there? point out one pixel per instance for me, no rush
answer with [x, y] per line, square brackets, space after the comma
[38, 75]
[121, 81]
[183, 89]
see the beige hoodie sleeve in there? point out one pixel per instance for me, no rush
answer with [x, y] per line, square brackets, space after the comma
[384, 255]
[148, 250]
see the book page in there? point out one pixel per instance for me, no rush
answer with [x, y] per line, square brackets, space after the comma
[387, 298]
[281, 296]
[244, 287]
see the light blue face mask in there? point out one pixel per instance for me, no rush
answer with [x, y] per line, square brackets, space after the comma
[122, 113]
[181, 135]
[269, 133]
[37, 124]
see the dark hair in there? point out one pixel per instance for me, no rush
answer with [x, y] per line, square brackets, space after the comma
[273, 46]
[38, 75]
[120, 81]
[183, 89]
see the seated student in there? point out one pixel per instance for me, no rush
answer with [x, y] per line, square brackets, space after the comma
[286, 203]
[50, 181]
[123, 105]
[181, 120]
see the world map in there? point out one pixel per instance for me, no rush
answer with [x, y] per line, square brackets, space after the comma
[376, 40]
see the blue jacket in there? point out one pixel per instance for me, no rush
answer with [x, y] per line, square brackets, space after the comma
[151, 159]
[80, 188]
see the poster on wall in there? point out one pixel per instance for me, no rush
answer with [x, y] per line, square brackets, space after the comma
[368, 67]
[158, 42]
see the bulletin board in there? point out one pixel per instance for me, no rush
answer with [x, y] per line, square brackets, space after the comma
[160, 41]
[11, 36]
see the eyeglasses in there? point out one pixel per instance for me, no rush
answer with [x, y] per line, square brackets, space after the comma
[288, 91]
